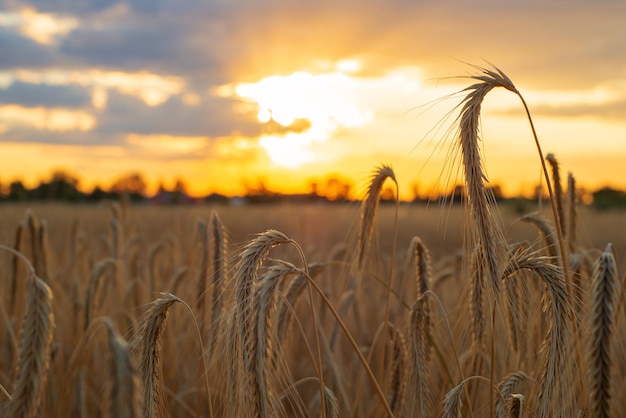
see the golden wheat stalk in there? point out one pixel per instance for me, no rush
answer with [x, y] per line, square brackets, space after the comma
[420, 352]
[34, 346]
[369, 209]
[558, 192]
[507, 386]
[96, 273]
[554, 382]
[125, 385]
[452, 403]
[292, 294]
[260, 345]
[548, 234]
[148, 348]
[398, 378]
[220, 267]
[604, 293]
[572, 211]
[477, 304]
[479, 199]
[203, 270]
[245, 278]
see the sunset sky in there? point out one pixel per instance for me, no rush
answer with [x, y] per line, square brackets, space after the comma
[224, 94]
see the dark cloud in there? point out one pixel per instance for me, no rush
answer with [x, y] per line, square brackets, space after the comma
[32, 95]
[74, 7]
[167, 45]
[214, 117]
[86, 139]
[21, 52]
[128, 48]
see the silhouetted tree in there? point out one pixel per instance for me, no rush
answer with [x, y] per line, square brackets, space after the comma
[337, 189]
[607, 197]
[17, 191]
[62, 186]
[133, 185]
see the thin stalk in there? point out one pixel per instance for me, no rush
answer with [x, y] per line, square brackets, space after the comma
[393, 256]
[563, 254]
[355, 347]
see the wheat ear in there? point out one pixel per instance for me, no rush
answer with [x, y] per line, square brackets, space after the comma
[604, 292]
[399, 374]
[203, 270]
[245, 278]
[452, 403]
[125, 386]
[295, 289]
[477, 290]
[479, 199]
[572, 212]
[554, 384]
[262, 344]
[92, 288]
[558, 191]
[369, 209]
[547, 231]
[420, 352]
[34, 346]
[149, 350]
[507, 387]
[220, 267]
[15, 266]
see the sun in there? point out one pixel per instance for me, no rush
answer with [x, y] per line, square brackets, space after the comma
[326, 101]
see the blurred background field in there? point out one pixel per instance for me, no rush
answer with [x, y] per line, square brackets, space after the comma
[318, 228]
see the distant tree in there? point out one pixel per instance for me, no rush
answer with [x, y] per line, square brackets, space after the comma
[98, 194]
[133, 185]
[607, 197]
[17, 191]
[314, 188]
[4, 191]
[180, 192]
[337, 189]
[62, 186]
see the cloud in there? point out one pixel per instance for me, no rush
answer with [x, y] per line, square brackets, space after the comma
[613, 110]
[34, 95]
[19, 51]
[297, 126]
[214, 117]
[30, 135]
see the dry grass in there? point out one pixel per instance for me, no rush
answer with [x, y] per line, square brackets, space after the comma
[484, 321]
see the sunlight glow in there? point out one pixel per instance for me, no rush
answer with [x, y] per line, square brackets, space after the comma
[319, 98]
[40, 27]
[289, 151]
[325, 100]
[167, 144]
[348, 66]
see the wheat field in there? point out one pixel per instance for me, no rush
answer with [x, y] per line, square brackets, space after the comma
[355, 310]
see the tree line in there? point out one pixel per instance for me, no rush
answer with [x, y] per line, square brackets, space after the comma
[64, 187]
